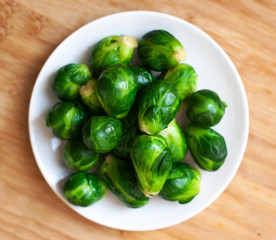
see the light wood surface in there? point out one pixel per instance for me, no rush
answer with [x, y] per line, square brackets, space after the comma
[30, 30]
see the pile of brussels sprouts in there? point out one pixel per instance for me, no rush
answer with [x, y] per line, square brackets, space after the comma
[123, 117]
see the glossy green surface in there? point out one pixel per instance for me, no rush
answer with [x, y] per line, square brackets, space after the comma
[207, 146]
[143, 76]
[68, 80]
[116, 90]
[129, 132]
[120, 178]
[158, 105]
[88, 93]
[102, 133]
[83, 189]
[152, 162]
[183, 184]
[66, 119]
[78, 156]
[110, 51]
[205, 109]
[176, 140]
[184, 78]
[159, 50]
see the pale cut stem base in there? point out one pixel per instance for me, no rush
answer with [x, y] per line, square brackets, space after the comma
[86, 89]
[149, 195]
[128, 41]
[180, 55]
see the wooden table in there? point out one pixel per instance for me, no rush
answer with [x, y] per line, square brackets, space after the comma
[30, 31]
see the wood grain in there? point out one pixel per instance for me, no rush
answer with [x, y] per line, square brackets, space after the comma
[30, 31]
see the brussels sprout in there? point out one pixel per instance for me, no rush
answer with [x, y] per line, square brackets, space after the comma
[88, 93]
[160, 50]
[116, 90]
[158, 104]
[152, 162]
[110, 51]
[66, 119]
[68, 80]
[205, 109]
[129, 132]
[102, 133]
[182, 185]
[120, 178]
[78, 156]
[207, 146]
[143, 76]
[83, 189]
[176, 141]
[184, 78]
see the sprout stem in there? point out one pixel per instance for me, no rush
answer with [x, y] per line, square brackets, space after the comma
[128, 41]
[86, 89]
[149, 195]
[180, 55]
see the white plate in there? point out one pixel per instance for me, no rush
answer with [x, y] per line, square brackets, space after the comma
[215, 71]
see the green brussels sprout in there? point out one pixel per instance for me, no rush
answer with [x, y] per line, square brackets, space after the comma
[176, 141]
[66, 119]
[68, 80]
[88, 93]
[160, 50]
[158, 104]
[116, 90]
[152, 162]
[143, 76]
[102, 133]
[129, 132]
[205, 109]
[120, 178]
[182, 185]
[110, 51]
[83, 188]
[207, 147]
[78, 156]
[184, 78]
